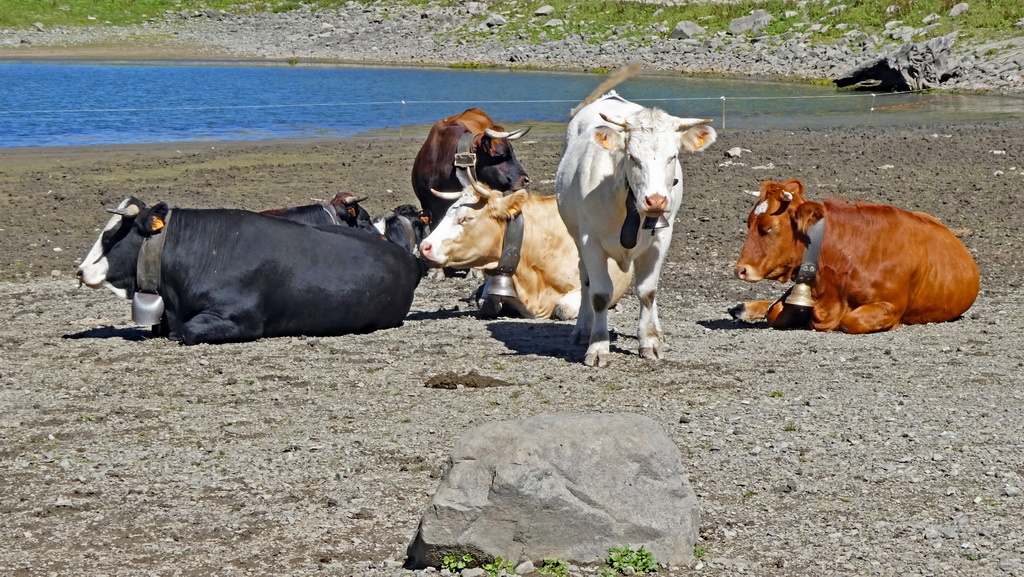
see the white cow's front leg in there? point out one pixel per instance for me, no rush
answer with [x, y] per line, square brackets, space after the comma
[599, 298]
[585, 318]
[648, 270]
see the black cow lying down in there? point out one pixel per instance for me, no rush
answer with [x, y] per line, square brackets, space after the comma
[342, 210]
[230, 275]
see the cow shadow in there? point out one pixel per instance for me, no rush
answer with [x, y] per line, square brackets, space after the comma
[134, 334]
[441, 314]
[542, 339]
[732, 325]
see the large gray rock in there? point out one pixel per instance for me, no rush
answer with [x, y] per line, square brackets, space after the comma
[757, 20]
[911, 67]
[566, 486]
[686, 29]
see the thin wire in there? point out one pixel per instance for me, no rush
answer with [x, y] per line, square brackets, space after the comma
[426, 102]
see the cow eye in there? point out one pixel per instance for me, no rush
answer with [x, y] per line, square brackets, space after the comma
[635, 160]
[673, 159]
[675, 181]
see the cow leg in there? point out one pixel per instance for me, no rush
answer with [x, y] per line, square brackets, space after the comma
[751, 311]
[598, 291]
[585, 318]
[871, 318]
[647, 269]
[209, 327]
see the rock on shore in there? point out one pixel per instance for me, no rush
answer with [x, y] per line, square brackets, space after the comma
[468, 33]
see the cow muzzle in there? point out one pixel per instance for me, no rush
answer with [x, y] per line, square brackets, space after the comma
[656, 204]
[746, 273]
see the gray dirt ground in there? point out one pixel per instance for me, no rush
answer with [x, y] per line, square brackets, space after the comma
[812, 454]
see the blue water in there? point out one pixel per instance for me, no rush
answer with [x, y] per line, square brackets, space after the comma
[59, 103]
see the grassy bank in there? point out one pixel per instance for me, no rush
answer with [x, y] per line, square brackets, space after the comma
[597, 21]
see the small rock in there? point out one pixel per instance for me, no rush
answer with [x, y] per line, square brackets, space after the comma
[1011, 491]
[545, 10]
[526, 567]
[957, 10]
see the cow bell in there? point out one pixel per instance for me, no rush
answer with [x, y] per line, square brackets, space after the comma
[147, 308]
[655, 222]
[800, 296]
[500, 285]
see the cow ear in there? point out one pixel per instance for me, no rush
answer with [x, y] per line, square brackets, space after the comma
[607, 138]
[152, 221]
[698, 138]
[793, 186]
[807, 214]
[512, 204]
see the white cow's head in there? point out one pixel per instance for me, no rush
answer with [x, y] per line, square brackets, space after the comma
[647, 146]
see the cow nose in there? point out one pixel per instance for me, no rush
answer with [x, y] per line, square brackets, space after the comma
[741, 272]
[525, 181]
[656, 203]
[79, 274]
[425, 249]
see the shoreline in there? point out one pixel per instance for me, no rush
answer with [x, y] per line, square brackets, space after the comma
[400, 36]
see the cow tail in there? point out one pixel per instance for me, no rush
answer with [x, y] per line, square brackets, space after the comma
[618, 77]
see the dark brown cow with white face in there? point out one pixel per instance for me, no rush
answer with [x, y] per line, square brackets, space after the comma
[879, 266]
[496, 164]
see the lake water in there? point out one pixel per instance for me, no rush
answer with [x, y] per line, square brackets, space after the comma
[62, 103]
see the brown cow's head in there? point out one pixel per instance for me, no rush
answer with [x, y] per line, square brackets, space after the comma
[496, 162]
[777, 234]
[472, 232]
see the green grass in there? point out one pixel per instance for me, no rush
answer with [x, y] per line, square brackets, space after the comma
[19, 14]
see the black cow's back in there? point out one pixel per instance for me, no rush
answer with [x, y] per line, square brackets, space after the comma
[232, 275]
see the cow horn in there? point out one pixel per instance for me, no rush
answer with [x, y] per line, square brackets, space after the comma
[756, 193]
[507, 135]
[447, 195]
[351, 199]
[615, 122]
[691, 122]
[480, 190]
[130, 211]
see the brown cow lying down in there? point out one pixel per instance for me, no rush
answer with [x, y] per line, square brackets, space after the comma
[547, 280]
[879, 266]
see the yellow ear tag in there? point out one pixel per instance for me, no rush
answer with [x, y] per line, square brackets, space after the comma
[157, 223]
[700, 141]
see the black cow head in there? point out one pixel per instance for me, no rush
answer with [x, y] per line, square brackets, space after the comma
[113, 259]
[347, 208]
[496, 162]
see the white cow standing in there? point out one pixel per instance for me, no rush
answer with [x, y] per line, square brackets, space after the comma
[612, 147]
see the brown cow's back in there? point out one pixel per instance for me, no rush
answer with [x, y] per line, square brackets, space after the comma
[875, 252]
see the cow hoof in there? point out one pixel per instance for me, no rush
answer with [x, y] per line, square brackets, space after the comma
[651, 353]
[599, 360]
[739, 312]
[489, 308]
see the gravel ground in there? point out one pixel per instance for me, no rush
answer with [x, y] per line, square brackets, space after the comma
[811, 454]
